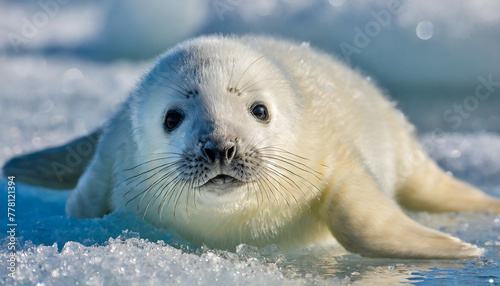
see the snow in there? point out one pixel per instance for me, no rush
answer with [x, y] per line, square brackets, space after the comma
[75, 68]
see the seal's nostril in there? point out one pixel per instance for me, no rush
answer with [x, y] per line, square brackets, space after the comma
[230, 153]
[210, 154]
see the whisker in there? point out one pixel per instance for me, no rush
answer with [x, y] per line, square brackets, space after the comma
[162, 201]
[251, 90]
[284, 188]
[161, 179]
[254, 148]
[261, 188]
[303, 167]
[167, 166]
[146, 190]
[283, 151]
[243, 88]
[236, 86]
[231, 77]
[141, 164]
[267, 182]
[193, 84]
[187, 87]
[248, 190]
[256, 193]
[276, 149]
[163, 186]
[195, 191]
[133, 178]
[176, 84]
[291, 182]
[294, 174]
[154, 197]
[173, 190]
[191, 188]
[176, 90]
[180, 192]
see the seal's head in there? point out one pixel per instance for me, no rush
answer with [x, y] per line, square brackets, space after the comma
[213, 127]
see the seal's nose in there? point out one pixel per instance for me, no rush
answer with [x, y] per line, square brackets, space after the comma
[218, 152]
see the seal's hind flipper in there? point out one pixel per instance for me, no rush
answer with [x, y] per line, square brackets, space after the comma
[366, 222]
[56, 168]
[429, 188]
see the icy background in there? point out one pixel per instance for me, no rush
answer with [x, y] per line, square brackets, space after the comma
[66, 65]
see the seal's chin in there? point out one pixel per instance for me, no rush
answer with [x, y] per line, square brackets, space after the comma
[222, 184]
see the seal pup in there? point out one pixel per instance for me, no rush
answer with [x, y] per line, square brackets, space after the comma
[231, 140]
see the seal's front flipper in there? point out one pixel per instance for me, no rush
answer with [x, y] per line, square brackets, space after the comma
[364, 221]
[56, 168]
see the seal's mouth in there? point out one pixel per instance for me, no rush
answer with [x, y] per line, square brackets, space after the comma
[222, 182]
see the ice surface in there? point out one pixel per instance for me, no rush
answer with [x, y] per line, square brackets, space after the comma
[69, 77]
[139, 262]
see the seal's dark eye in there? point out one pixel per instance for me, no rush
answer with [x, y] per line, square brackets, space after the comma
[173, 119]
[260, 112]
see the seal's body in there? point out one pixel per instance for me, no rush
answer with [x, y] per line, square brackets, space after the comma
[259, 141]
